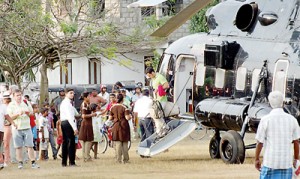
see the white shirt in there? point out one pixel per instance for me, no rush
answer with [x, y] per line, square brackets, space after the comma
[67, 113]
[43, 122]
[3, 112]
[142, 106]
[277, 131]
[106, 97]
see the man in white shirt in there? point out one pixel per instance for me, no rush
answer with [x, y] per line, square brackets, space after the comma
[142, 116]
[69, 128]
[278, 132]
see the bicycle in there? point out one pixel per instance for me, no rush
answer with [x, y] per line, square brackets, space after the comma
[199, 133]
[106, 139]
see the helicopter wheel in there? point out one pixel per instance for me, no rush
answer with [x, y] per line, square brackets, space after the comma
[232, 148]
[214, 144]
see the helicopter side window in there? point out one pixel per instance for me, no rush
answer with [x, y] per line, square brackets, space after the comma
[241, 75]
[220, 78]
[280, 75]
[255, 79]
[200, 74]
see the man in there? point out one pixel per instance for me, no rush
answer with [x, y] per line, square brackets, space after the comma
[138, 94]
[4, 120]
[22, 134]
[142, 117]
[277, 133]
[104, 94]
[95, 99]
[159, 84]
[58, 100]
[68, 127]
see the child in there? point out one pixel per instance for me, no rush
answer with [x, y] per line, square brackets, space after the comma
[59, 139]
[97, 125]
[34, 130]
[43, 132]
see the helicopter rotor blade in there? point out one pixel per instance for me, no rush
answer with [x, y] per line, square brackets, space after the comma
[176, 21]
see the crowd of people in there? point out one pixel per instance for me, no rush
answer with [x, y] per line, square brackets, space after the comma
[28, 130]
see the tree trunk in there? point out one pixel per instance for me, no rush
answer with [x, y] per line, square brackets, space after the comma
[44, 95]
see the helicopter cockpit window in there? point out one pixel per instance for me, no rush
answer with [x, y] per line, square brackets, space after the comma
[220, 77]
[255, 79]
[241, 75]
[200, 75]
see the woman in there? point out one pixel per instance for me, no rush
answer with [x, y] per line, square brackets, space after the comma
[120, 130]
[86, 130]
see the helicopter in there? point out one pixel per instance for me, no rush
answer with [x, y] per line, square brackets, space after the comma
[252, 48]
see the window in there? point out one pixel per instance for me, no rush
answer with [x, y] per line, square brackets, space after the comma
[66, 72]
[241, 75]
[94, 71]
[98, 7]
[220, 77]
[200, 74]
[255, 79]
[280, 74]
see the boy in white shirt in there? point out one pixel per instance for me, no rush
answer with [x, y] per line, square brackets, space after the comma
[43, 132]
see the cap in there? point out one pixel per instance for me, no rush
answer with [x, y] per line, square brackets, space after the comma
[103, 86]
[6, 95]
[61, 90]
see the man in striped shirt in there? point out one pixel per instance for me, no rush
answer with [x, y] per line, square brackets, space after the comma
[278, 132]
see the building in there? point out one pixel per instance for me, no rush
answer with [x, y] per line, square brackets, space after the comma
[125, 67]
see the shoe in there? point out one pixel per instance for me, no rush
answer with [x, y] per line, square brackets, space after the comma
[64, 165]
[1, 166]
[20, 165]
[35, 165]
[5, 165]
[74, 165]
[60, 155]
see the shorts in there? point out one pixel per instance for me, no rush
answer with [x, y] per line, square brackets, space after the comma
[34, 132]
[22, 137]
[59, 140]
[269, 173]
[44, 145]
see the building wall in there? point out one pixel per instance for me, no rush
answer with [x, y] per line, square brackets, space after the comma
[119, 69]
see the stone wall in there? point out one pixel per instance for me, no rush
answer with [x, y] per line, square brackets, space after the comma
[130, 17]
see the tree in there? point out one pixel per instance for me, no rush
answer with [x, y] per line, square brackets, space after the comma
[44, 32]
[198, 21]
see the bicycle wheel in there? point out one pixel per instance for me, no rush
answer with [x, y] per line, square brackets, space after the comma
[199, 133]
[103, 143]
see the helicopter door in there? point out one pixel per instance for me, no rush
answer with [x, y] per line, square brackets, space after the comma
[280, 76]
[183, 82]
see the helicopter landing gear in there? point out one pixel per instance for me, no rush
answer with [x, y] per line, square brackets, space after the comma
[232, 148]
[214, 145]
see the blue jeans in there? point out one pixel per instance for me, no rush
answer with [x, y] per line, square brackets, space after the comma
[146, 127]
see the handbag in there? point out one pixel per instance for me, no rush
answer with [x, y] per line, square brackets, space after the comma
[78, 145]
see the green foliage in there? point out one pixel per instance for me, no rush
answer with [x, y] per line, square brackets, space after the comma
[153, 23]
[156, 59]
[198, 21]
[68, 28]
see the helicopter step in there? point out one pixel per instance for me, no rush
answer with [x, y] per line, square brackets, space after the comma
[154, 145]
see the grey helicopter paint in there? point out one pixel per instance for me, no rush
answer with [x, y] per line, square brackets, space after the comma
[252, 48]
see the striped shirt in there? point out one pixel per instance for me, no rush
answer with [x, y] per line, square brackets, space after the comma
[277, 131]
